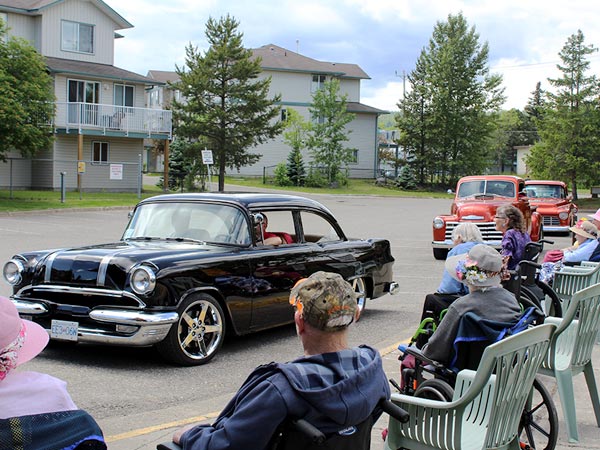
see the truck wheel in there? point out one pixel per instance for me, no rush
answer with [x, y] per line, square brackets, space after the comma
[440, 253]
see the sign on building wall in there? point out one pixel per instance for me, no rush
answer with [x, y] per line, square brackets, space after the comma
[116, 171]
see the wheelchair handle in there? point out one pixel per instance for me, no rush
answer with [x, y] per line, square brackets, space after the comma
[313, 433]
[526, 262]
[394, 410]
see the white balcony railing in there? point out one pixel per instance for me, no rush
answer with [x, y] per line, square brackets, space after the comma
[112, 118]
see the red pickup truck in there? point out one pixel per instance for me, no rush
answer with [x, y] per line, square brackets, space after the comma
[476, 201]
[554, 203]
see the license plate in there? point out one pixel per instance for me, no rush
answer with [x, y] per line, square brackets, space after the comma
[64, 330]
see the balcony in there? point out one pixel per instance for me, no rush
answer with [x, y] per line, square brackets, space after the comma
[94, 118]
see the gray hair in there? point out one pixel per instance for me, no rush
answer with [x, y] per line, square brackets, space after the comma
[467, 232]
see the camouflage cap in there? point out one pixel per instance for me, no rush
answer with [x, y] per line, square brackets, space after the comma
[325, 300]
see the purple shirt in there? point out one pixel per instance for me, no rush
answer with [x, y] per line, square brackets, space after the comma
[513, 245]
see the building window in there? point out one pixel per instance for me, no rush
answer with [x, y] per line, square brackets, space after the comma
[317, 82]
[99, 152]
[4, 20]
[77, 37]
[123, 95]
[284, 114]
[354, 157]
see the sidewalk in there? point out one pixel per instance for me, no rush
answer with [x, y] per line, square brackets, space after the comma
[589, 433]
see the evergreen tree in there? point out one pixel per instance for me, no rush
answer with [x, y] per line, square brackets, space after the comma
[296, 171]
[569, 128]
[448, 121]
[26, 99]
[295, 135]
[328, 131]
[226, 103]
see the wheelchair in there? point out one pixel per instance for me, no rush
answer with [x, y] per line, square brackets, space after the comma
[74, 429]
[299, 434]
[524, 282]
[429, 379]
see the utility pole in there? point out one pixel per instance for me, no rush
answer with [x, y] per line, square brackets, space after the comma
[403, 75]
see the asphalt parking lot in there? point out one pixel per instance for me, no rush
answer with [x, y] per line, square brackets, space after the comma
[139, 401]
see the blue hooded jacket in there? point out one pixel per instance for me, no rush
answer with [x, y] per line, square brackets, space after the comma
[331, 390]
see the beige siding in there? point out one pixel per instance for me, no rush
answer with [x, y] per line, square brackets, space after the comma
[16, 171]
[351, 88]
[23, 27]
[83, 12]
[106, 90]
[362, 137]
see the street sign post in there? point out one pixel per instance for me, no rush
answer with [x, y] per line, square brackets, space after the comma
[207, 158]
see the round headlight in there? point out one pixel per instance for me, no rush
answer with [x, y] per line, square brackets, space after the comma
[563, 215]
[13, 271]
[438, 223]
[143, 280]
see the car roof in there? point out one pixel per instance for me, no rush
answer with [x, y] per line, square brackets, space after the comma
[252, 201]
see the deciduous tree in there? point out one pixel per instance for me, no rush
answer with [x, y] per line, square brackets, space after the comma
[328, 130]
[26, 98]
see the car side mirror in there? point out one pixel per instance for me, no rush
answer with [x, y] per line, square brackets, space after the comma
[257, 219]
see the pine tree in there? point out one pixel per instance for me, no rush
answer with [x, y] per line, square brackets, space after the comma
[226, 102]
[295, 135]
[570, 125]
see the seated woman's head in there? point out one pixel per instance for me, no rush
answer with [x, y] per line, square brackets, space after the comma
[466, 232]
[20, 340]
[509, 216]
[480, 268]
[584, 230]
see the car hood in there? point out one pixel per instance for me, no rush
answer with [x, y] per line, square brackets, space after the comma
[107, 265]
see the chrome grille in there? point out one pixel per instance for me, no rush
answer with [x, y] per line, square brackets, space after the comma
[488, 231]
[550, 221]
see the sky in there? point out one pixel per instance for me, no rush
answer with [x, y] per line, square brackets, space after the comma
[384, 37]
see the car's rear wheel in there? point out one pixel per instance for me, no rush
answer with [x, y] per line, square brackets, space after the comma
[360, 288]
[440, 253]
[198, 334]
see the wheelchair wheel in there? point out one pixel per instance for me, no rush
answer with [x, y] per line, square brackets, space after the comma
[553, 309]
[528, 299]
[435, 389]
[539, 422]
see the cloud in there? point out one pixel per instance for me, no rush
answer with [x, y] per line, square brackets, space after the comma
[383, 37]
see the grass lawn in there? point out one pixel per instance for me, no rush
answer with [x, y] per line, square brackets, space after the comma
[37, 200]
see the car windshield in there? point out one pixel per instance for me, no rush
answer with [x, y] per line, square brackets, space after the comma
[545, 191]
[189, 221]
[486, 187]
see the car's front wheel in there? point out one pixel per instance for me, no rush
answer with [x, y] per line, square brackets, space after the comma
[198, 334]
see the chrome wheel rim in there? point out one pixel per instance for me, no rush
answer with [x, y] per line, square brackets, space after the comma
[200, 330]
[358, 284]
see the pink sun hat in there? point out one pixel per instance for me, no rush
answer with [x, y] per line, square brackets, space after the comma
[595, 216]
[20, 340]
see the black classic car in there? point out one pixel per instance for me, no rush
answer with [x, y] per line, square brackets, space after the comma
[191, 267]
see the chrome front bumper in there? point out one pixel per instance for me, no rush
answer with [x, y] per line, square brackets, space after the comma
[150, 327]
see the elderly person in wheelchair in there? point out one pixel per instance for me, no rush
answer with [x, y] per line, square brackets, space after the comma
[480, 270]
[336, 387]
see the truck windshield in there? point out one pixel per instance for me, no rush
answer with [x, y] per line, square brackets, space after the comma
[486, 187]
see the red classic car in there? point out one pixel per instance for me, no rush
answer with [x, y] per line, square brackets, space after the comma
[553, 203]
[477, 198]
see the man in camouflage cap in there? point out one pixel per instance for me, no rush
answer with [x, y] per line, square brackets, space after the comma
[325, 300]
[333, 384]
